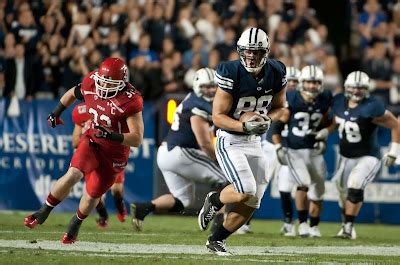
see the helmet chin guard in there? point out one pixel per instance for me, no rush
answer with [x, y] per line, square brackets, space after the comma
[110, 78]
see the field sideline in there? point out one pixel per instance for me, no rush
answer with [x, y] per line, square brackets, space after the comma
[177, 240]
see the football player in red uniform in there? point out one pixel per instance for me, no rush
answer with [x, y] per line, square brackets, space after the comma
[115, 108]
[81, 119]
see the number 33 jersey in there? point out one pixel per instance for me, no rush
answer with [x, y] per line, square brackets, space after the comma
[357, 132]
[250, 94]
[305, 118]
[110, 113]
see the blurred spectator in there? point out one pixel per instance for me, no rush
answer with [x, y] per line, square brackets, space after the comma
[155, 26]
[213, 59]
[195, 65]
[197, 48]
[332, 76]
[18, 75]
[103, 27]
[183, 30]
[133, 30]
[9, 46]
[208, 25]
[168, 48]
[169, 79]
[80, 30]
[300, 19]
[26, 31]
[143, 50]
[369, 20]
[228, 44]
[113, 44]
[378, 67]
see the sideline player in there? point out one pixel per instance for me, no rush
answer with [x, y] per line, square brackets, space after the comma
[115, 108]
[81, 119]
[188, 154]
[281, 172]
[252, 84]
[357, 116]
[307, 113]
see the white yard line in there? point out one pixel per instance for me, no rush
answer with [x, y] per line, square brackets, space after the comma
[114, 248]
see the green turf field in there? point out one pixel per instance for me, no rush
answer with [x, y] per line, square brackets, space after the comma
[177, 240]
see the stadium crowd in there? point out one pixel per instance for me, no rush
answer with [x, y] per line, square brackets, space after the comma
[47, 46]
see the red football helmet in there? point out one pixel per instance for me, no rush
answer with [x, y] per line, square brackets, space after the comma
[111, 77]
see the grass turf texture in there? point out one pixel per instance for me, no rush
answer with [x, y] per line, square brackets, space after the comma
[183, 232]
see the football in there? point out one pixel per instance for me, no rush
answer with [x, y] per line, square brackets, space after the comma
[247, 116]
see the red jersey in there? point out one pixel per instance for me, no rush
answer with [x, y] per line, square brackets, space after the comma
[110, 113]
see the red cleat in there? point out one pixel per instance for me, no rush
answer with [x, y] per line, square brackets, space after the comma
[121, 216]
[102, 223]
[66, 240]
[30, 221]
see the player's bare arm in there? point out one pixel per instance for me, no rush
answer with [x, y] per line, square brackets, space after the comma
[201, 130]
[66, 100]
[76, 135]
[277, 105]
[221, 106]
[135, 136]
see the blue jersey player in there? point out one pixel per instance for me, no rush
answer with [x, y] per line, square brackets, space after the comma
[187, 156]
[281, 172]
[307, 113]
[357, 116]
[251, 84]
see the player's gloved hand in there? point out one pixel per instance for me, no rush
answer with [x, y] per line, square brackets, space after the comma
[253, 126]
[320, 146]
[106, 134]
[322, 135]
[281, 154]
[390, 157]
[54, 120]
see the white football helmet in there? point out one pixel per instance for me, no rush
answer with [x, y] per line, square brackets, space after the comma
[253, 49]
[292, 73]
[315, 76]
[357, 86]
[203, 83]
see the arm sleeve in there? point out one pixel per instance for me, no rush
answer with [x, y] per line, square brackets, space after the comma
[281, 80]
[78, 92]
[136, 105]
[202, 113]
[224, 79]
[377, 109]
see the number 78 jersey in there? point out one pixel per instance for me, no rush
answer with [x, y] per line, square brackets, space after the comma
[357, 132]
[250, 94]
[110, 113]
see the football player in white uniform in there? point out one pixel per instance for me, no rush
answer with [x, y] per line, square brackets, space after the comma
[274, 169]
[357, 116]
[252, 84]
[307, 113]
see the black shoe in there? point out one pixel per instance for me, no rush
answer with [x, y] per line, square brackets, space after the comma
[217, 247]
[207, 212]
[138, 214]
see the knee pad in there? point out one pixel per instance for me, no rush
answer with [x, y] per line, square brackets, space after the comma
[355, 195]
[253, 202]
[178, 206]
[302, 188]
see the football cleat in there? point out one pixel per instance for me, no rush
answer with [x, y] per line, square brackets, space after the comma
[288, 229]
[244, 229]
[66, 239]
[217, 247]
[121, 215]
[314, 231]
[207, 212]
[347, 232]
[30, 221]
[137, 221]
[304, 230]
[102, 222]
